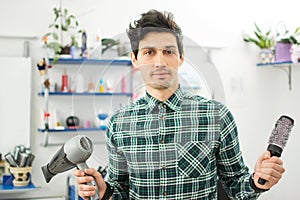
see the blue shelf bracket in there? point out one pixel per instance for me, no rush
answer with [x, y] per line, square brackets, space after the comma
[286, 66]
[288, 71]
[46, 139]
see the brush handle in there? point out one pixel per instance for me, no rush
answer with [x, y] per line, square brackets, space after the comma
[275, 151]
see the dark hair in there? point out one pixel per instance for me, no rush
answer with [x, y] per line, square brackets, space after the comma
[153, 21]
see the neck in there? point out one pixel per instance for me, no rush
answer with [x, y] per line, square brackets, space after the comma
[161, 94]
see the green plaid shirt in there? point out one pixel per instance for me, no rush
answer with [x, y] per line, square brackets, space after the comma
[175, 149]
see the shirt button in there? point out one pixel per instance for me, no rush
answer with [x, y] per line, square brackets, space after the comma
[162, 141]
[120, 152]
[164, 167]
[165, 193]
[162, 117]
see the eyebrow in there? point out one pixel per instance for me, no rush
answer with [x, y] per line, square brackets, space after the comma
[152, 47]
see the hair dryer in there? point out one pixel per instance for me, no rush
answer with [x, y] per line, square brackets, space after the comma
[72, 154]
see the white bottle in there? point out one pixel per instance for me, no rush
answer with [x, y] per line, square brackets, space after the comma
[97, 52]
[79, 83]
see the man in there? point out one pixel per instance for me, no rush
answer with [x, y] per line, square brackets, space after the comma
[171, 144]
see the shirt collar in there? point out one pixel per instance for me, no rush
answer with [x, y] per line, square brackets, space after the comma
[174, 101]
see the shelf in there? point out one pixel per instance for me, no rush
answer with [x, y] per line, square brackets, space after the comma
[283, 66]
[66, 130]
[70, 130]
[276, 63]
[91, 61]
[123, 64]
[86, 94]
[11, 189]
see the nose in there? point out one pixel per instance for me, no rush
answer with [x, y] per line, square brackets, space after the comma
[159, 59]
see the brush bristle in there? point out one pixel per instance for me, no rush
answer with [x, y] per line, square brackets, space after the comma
[281, 132]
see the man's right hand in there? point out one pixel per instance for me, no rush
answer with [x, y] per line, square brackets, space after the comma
[83, 177]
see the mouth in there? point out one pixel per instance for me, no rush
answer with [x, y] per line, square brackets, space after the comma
[161, 74]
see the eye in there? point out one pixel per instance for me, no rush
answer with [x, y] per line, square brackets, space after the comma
[148, 52]
[170, 52]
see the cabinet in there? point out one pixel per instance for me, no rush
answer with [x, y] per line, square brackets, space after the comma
[14, 102]
[116, 77]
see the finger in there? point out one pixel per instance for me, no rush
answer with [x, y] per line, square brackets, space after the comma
[268, 174]
[271, 180]
[273, 163]
[271, 174]
[84, 179]
[78, 172]
[86, 194]
[274, 160]
[91, 171]
[97, 177]
[269, 168]
[264, 156]
[86, 190]
[84, 187]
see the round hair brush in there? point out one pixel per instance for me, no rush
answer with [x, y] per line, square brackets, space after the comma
[279, 137]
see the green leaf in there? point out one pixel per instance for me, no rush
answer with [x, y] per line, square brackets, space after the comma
[258, 35]
[293, 40]
[51, 25]
[56, 13]
[55, 59]
[48, 34]
[68, 22]
[55, 36]
[64, 28]
[297, 31]
[258, 29]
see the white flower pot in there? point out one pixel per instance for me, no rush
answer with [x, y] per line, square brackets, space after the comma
[266, 56]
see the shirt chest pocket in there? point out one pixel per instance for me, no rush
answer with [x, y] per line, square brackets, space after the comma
[193, 159]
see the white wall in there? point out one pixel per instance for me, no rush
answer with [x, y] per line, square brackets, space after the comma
[257, 96]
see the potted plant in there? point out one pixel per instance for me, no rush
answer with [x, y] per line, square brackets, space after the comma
[265, 41]
[108, 43]
[63, 25]
[285, 41]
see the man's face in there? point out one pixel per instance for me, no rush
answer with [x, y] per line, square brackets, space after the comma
[158, 60]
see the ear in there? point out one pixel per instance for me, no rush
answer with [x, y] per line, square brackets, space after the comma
[181, 60]
[133, 60]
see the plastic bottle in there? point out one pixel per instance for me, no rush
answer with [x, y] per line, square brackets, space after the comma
[123, 84]
[109, 85]
[84, 44]
[97, 54]
[101, 89]
[64, 82]
[79, 83]
[72, 51]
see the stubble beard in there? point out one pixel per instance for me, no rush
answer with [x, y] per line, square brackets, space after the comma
[162, 83]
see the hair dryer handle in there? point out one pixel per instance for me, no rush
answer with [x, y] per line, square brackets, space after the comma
[82, 167]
